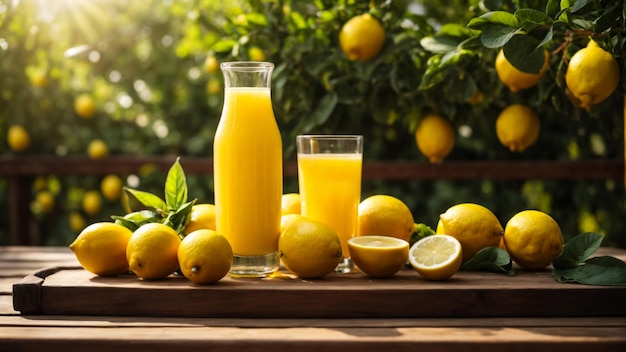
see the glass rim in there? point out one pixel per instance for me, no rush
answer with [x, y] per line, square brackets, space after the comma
[330, 136]
[247, 65]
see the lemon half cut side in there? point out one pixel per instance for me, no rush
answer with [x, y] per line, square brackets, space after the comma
[378, 256]
[436, 257]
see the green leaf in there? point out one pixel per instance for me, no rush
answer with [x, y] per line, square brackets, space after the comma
[553, 7]
[134, 220]
[178, 219]
[604, 270]
[581, 7]
[523, 53]
[577, 250]
[502, 17]
[224, 46]
[495, 36]
[325, 108]
[420, 231]
[530, 19]
[439, 44]
[147, 199]
[175, 186]
[491, 259]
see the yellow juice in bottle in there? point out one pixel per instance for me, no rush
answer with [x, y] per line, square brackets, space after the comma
[330, 199]
[248, 172]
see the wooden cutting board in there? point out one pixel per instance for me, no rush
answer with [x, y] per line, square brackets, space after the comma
[74, 291]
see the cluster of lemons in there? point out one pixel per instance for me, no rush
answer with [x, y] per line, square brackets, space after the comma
[385, 226]
[592, 76]
[155, 250]
[311, 249]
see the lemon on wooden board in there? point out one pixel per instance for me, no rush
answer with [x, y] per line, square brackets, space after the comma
[378, 256]
[533, 239]
[204, 256]
[362, 37]
[434, 137]
[473, 225]
[288, 219]
[101, 248]
[517, 127]
[18, 138]
[592, 75]
[385, 215]
[309, 248]
[290, 204]
[202, 216]
[152, 251]
[436, 257]
[515, 79]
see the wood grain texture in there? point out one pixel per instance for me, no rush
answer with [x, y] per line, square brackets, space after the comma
[406, 295]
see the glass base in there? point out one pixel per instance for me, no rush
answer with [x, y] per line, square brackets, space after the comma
[345, 266]
[254, 266]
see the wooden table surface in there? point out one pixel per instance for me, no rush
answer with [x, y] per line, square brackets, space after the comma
[601, 331]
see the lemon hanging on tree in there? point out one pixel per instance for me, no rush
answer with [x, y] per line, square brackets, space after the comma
[517, 127]
[18, 138]
[362, 37]
[84, 106]
[515, 79]
[592, 75]
[434, 137]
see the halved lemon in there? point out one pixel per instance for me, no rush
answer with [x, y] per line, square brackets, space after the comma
[378, 256]
[436, 257]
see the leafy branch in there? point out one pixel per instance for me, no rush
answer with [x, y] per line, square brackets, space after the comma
[174, 211]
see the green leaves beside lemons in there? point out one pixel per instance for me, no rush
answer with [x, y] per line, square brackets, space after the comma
[575, 266]
[491, 259]
[174, 211]
[421, 231]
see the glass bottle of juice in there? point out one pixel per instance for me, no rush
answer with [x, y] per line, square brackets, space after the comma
[248, 171]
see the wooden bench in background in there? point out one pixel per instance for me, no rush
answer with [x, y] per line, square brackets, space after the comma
[21, 171]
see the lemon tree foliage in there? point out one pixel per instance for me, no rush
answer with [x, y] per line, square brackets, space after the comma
[150, 70]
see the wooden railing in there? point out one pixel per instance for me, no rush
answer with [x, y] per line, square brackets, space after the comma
[20, 172]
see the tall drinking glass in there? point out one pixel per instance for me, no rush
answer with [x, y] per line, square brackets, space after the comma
[248, 169]
[329, 178]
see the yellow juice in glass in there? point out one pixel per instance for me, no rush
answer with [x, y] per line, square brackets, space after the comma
[330, 187]
[248, 172]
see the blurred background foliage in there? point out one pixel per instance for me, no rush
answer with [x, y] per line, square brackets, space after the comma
[149, 67]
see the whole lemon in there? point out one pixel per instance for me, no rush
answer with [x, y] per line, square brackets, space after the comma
[475, 226]
[309, 248]
[287, 219]
[256, 54]
[84, 106]
[97, 149]
[290, 204]
[385, 215]
[515, 79]
[362, 37]
[434, 137]
[379, 256]
[205, 256]
[18, 138]
[213, 86]
[517, 127]
[533, 239]
[152, 251]
[44, 201]
[211, 65]
[101, 248]
[76, 221]
[592, 75]
[202, 216]
[111, 187]
[92, 202]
